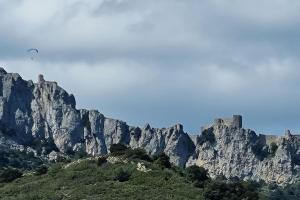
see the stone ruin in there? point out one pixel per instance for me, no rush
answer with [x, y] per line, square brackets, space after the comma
[41, 79]
[236, 121]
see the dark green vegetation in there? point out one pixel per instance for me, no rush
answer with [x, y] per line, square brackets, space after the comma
[9, 174]
[43, 169]
[97, 178]
[18, 159]
[128, 153]
[262, 152]
[13, 163]
[195, 173]
[87, 180]
[291, 192]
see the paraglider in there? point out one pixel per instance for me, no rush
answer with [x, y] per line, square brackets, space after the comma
[33, 52]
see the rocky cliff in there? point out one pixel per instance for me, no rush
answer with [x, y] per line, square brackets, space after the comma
[42, 117]
[227, 149]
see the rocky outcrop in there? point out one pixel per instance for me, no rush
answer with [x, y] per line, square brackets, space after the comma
[42, 118]
[227, 149]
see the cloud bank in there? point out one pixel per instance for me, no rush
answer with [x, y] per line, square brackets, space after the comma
[165, 61]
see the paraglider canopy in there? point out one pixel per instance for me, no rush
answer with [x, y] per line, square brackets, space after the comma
[33, 53]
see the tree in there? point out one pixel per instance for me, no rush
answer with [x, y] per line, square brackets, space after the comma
[196, 173]
[122, 176]
[43, 169]
[218, 190]
[118, 149]
[138, 153]
[163, 160]
[101, 161]
[9, 174]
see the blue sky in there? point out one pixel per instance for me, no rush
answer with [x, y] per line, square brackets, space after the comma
[166, 61]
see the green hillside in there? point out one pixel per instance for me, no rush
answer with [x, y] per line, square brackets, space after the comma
[100, 178]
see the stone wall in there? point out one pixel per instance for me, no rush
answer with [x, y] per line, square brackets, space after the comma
[235, 121]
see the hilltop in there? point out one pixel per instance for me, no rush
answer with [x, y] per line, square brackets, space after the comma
[42, 119]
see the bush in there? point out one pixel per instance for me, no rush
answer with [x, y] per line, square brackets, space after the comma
[217, 190]
[197, 174]
[10, 158]
[9, 174]
[163, 160]
[178, 170]
[138, 153]
[122, 176]
[43, 169]
[80, 154]
[122, 150]
[118, 149]
[101, 161]
[54, 169]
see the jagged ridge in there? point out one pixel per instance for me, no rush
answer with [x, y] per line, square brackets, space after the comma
[43, 111]
[44, 115]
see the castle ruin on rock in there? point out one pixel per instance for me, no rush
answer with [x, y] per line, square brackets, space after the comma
[43, 117]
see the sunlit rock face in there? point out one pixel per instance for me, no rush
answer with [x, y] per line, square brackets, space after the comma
[41, 117]
[227, 149]
[42, 113]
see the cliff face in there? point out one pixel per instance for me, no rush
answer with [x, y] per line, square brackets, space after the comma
[226, 149]
[42, 116]
[39, 114]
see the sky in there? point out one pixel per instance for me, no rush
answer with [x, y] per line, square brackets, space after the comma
[164, 62]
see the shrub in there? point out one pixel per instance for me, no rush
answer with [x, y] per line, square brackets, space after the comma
[168, 175]
[9, 174]
[122, 175]
[54, 169]
[197, 174]
[138, 153]
[101, 161]
[122, 150]
[43, 169]
[118, 149]
[178, 170]
[80, 154]
[163, 160]
[18, 159]
[236, 190]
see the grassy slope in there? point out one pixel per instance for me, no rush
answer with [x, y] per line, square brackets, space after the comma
[86, 180]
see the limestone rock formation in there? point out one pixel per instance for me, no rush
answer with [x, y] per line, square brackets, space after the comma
[42, 118]
[227, 149]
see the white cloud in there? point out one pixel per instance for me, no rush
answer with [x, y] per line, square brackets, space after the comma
[162, 61]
